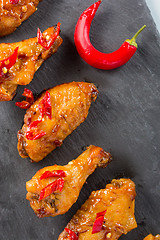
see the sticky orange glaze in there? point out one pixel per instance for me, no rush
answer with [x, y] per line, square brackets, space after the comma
[151, 237]
[12, 15]
[118, 198]
[76, 172]
[70, 104]
[31, 55]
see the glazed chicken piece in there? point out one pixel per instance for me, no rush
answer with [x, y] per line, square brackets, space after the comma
[107, 214]
[69, 105]
[30, 57]
[151, 237]
[13, 13]
[73, 176]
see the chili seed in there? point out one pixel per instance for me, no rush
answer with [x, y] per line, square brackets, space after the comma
[108, 235]
[5, 70]
[24, 8]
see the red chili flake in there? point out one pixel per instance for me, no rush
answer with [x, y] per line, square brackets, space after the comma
[45, 106]
[43, 42]
[13, 1]
[41, 212]
[72, 235]
[58, 143]
[33, 133]
[51, 188]
[97, 226]
[28, 120]
[7, 63]
[55, 173]
[29, 99]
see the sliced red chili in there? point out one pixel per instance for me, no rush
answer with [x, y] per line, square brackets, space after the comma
[98, 223]
[23, 104]
[29, 95]
[29, 99]
[34, 124]
[8, 62]
[13, 1]
[57, 185]
[91, 55]
[33, 133]
[101, 214]
[43, 42]
[72, 235]
[45, 105]
[41, 107]
[55, 173]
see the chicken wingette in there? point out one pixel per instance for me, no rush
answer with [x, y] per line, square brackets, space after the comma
[67, 182]
[30, 56]
[53, 117]
[107, 214]
[151, 237]
[13, 13]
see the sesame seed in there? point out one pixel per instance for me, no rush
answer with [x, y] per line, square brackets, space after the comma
[47, 37]
[70, 163]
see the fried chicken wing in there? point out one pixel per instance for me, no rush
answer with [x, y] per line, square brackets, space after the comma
[115, 203]
[151, 237]
[13, 14]
[74, 175]
[30, 57]
[69, 105]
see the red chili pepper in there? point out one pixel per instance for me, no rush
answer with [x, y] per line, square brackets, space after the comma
[51, 188]
[55, 173]
[13, 1]
[43, 42]
[23, 104]
[29, 99]
[34, 124]
[72, 235]
[100, 214]
[29, 95]
[98, 223]
[8, 62]
[45, 106]
[94, 57]
[33, 133]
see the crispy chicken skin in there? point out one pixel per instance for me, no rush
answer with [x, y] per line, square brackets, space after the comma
[76, 172]
[118, 199]
[12, 15]
[70, 104]
[151, 237]
[31, 55]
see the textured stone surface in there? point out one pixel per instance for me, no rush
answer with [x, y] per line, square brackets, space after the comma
[124, 120]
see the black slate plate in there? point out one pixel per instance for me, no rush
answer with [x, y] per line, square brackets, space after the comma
[124, 120]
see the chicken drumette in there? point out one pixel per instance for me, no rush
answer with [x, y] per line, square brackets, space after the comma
[30, 56]
[54, 189]
[107, 214]
[56, 114]
[151, 237]
[13, 13]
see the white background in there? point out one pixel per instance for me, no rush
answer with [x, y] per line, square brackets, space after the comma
[154, 6]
